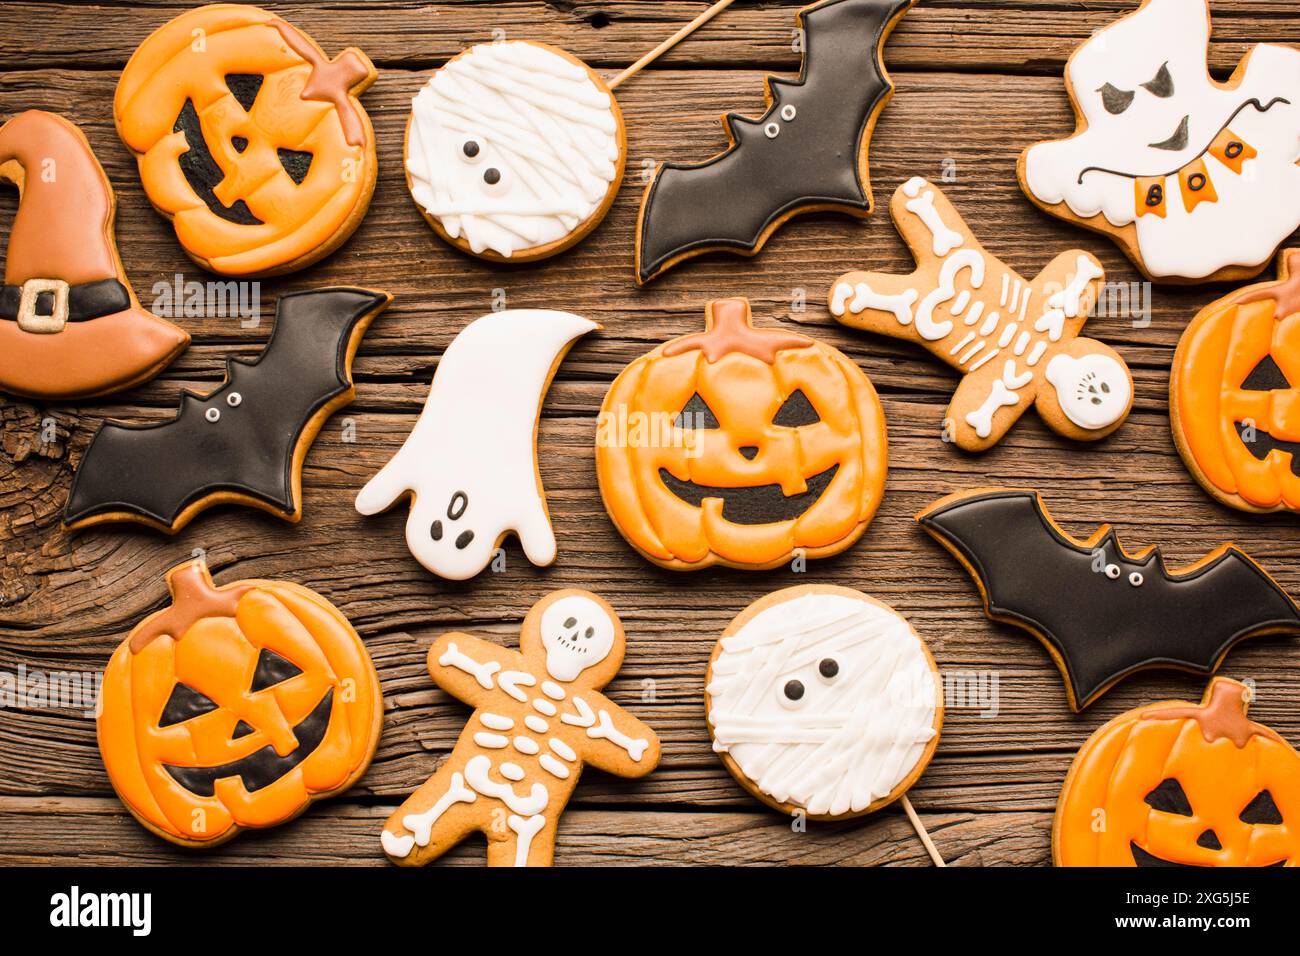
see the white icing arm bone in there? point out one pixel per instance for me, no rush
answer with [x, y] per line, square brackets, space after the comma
[481, 671]
[606, 730]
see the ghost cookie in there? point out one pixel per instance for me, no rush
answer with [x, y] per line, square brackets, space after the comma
[470, 463]
[1015, 340]
[515, 150]
[538, 720]
[1196, 180]
[823, 701]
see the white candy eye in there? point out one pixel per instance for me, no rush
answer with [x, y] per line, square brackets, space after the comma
[788, 112]
[213, 414]
[1136, 579]
[1113, 572]
[471, 151]
[234, 399]
[792, 694]
[772, 130]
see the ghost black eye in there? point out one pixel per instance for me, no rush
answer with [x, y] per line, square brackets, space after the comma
[793, 690]
[1116, 100]
[1162, 84]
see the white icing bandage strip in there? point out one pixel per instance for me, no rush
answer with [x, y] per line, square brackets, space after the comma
[481, 672]
[525, 830]
[476, 775]
[421, 824]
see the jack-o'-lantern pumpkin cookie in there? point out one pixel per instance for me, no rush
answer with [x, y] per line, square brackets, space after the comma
[1179, 784]
[236, 707]
[1234, 394]
[741, 446]
[249, 138]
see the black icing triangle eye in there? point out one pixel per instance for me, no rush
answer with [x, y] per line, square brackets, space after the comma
[272, 669]
[796, 412]
[1169, 797]
[1262, 809]
[1116, 100]
[295, 163]
[241, 730]
[1265, 377]
[696, 414]
[239, 142]
[244, 87]
[1162, 84]
[185, 703]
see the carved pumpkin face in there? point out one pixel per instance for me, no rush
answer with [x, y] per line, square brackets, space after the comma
[236, 707]
[740, 446]
[1177, 784]
[249, 138]
[1235, 395]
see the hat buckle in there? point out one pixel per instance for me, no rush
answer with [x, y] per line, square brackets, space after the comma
[29, 320]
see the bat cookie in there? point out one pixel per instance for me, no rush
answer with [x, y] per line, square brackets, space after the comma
[249, 138]
[470, 463]
[1178, 784]
[807, 153]
[245, 442]
[539, 718]
[1015, 340]
[70, 324]
[1102, 613]
[1194, 179]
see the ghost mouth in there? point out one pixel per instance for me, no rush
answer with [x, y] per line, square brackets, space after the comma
[1262, 444]
[264, 767]
[1177, 142]
[758, 504]
[1142, 858]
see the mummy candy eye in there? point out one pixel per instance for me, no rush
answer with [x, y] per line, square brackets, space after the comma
[471, 150]
[1116, 100]
[1162, 84]
[492, 176]
[828, 669]
[792, 694]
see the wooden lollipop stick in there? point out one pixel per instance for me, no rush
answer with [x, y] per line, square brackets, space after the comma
[671, 42]
[919, 827]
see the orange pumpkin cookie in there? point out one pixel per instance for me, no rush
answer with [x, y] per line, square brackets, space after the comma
[249, 138]
[741, 446]
[1234, 395]
[1176, 784]
[236, 707]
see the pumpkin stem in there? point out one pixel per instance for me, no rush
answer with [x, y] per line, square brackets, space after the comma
[194, 597]
[1222, 713]
[1285, 293]
[729, 327]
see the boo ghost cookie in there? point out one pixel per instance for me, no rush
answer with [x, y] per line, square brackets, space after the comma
[1015, 340]
[538, 720]
[249, 138]
[1196, 180]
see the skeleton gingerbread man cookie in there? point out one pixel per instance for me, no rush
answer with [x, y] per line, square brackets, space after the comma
[538, 720]
[1016, 341]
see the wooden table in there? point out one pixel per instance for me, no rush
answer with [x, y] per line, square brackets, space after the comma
[978, 80]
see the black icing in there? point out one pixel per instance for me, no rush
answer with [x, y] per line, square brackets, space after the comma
[1262, 810]
[464, 540]
[1116, 100]
[1170, 797]
[239, 142]
[492, 176]
[244, 87]
[1156, 194]
[296, 163]
[1142, 858]
[185, 703]
[1261, 444]
[86, 300]
[1178, 141]
[1266, 377]
[696, 414]
[1209, 840]
[1162, 84]
[202, 172]
[471, 148]
[272, 669]
[758, 504]
[241, 731]
[456, 507]
[796, 412]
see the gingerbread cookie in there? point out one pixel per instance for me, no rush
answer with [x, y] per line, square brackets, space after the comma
[823, 701]
[1232, 403]
[249, 138]
[1194, 179]
[1015, 340]
[70, 324]
[538, 720]
[236, 706]
[1177, 784]
[741, 446]
[807, 153]
[515, 150]
[245, 442]
[1101, 612]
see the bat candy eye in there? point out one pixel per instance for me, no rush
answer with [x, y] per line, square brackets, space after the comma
[213, 415]
[788, 112]
[772, 130]
[1113, 572]
[1093, 391]
[1136, 579]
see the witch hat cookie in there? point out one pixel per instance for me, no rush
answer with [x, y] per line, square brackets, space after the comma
[70, 325]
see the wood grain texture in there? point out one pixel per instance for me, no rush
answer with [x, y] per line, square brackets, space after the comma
[977, 82]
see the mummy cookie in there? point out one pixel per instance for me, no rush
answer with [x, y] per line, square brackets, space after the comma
[741, 446]
[236, 707]
[1194, 179]
[538, 720]
[515, 150]
[807, 153]
[1178, 784]
[1232, 403]
[70, 324]
[1015, 340]
[823, 701]
[1101, 612]
[470, 463]
[248, 138]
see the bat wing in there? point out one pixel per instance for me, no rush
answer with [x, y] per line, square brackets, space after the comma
[807, 152]
[242, 441]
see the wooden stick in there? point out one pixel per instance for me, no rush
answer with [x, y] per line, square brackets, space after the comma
[919, 827]
[671, 42]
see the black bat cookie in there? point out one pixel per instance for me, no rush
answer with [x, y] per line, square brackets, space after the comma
[808, 152]
[1101, 612]
[243, 443]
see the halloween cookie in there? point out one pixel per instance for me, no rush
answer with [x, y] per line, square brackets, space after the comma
[807, 153]
[470, 464]
[538, 720]
[741, 446]
[515, 150]
[1015, 340]
[1194, 179]
[242, 444]
[1232, 403]
[70, 324]
[824, 701]
[1177, 784]
[236, 706]
[1101, 612]
[249, 138]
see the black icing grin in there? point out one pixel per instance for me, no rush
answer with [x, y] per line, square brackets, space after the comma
[1144, 858]
[759, 504]
[1264, 444]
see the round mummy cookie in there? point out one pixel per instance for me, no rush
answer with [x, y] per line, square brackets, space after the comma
[823, 701]
[515, 150]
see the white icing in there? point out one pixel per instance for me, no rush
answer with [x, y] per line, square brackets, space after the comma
[495, 721]
[526, 745]
[585, 716]
[563, 749]
[1013, 380]
[481, 671]
[963, 259]
[1036, 354]
[1000, 396]
[1007, 335]
[858, 298]
[1070, 299]
[553, 766]
[577, 633]
[477, 776]
[1053, 323]
[605, 730]
[491, 741]
[945, 240]
[912, 188]
[973, 316]
[984, 360]
[512, 771]
[545, 707]
[525, 830]
[421, 824]
[963, 300]
[536, 724]
[553, 690]
[965, 341]
[398, 846]
[1094, 391]
[510, 682]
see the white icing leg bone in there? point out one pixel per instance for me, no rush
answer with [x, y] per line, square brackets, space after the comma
[481, 671]
[945, 239]
[526, 830]
[982, 418]
[421, 824]
[864, 297]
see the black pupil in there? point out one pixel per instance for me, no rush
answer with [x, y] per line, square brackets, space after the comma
[492, 176]
[794, 690]
[828, 668]
[471, 149]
